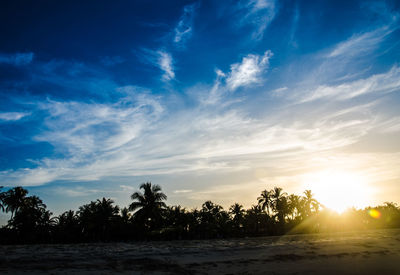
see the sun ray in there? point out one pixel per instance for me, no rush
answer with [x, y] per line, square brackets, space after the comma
[339, 189]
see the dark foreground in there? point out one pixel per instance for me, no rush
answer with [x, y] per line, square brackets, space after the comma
[371, 252]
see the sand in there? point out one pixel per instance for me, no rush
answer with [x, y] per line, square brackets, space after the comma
[369, 252]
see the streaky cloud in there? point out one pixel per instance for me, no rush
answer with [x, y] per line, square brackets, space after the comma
[183, 30]
[378, 83]
[160, 59]
[362, 43]
[165, 63]
[13, 116]
[259, 14]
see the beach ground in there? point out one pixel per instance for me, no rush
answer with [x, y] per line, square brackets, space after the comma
[368, 252]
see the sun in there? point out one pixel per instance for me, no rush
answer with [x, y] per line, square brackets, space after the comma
[339, 190]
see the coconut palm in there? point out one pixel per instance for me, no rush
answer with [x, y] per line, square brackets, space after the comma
[176, 216]
[237, 212]
[67, 218]
[265, 200]
[149, 204]
[253, 219]
[125, 215]
[106, 211]
[282, 209]
[14, 199]
[279, 203]
[276, 195]
[2, 196]
[310, 203]
[31, 219]
[294, 205]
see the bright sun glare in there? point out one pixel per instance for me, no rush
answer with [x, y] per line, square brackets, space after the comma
[339, 190]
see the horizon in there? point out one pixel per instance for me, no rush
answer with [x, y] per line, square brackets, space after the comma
[210, 100]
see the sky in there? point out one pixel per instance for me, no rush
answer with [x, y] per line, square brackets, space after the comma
[212, 100]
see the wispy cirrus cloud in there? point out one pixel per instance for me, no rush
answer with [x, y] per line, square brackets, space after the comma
[341, 64]
[182, 191]
[361, 43]
[259, 14]
[378, 83]
[248, 71]
[13, 116]
[165, 63]
[184, 28]
[160, 59]
[133, 137]
[16, 59]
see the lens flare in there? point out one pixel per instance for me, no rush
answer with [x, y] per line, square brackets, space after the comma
[374, 213]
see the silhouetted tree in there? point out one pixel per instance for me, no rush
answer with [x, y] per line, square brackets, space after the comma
[68, 229]
[309, 204]
[148, 205]
[2, 196]
[265, 200]
[31, 220]
[102, 220]
[177, 222]
[294, 206]
[213, 220]
[279, 203]
[125, 215]
[14, 199]
[254, 220]
[237, 215]
[97, 218]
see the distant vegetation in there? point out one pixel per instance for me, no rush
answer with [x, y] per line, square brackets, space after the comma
[149, 218]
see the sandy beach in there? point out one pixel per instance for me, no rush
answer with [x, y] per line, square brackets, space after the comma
[370, 252]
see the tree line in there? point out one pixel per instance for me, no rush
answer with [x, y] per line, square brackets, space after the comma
[149, 218]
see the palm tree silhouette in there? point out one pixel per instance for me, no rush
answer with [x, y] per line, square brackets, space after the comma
[294, 205]
[279, 203]
[31, 219]
[149, 204]
[106, 210]
[2, 196]
[310, 203]
[265, 200]
[14, 199]
[125, 215]
[237, 212]
[254, 218]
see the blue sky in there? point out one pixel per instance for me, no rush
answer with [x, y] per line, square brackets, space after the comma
[210, 99]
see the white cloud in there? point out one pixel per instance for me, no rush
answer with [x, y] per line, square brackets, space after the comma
[160, 59]
[182, 191]
[142, 135]
[260, 14]
[87, 128]
[127, 188]
[77, 191]
[379, 83]
[165, 63]
[361, 43]
[13, 116]
[279, 91]
[248, 71]
[183, 30]
[133, 138]
[17, 59]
